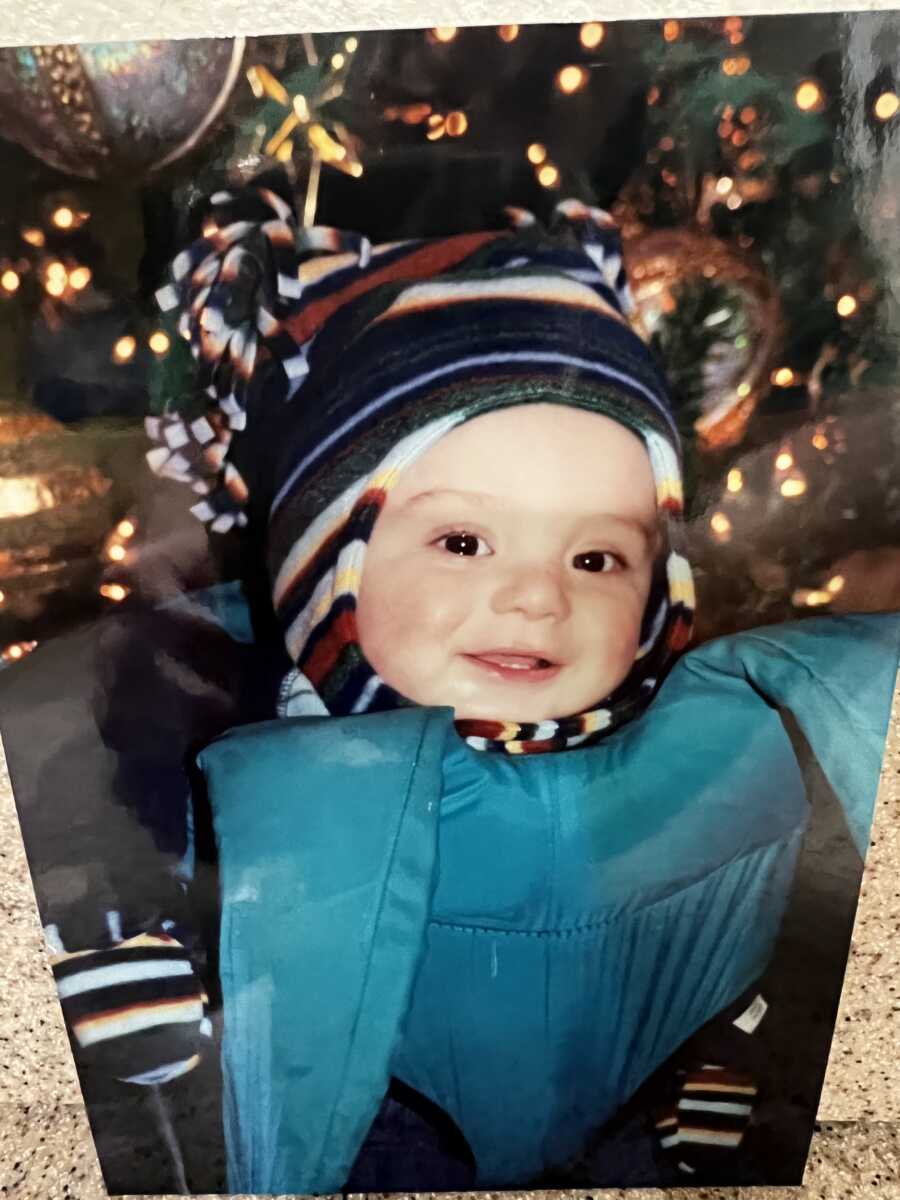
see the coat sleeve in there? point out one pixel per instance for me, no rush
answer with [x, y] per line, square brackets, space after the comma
[99, 727]
[737, 1104]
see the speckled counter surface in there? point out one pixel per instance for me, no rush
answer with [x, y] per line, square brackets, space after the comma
[47, 1155]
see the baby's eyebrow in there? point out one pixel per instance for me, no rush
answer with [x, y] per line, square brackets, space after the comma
[650, 531]
[455, 493]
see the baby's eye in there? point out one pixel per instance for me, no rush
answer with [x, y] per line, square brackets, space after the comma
[467, 545]
[598, 561]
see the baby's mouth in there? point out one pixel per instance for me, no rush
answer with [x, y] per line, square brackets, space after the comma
[515, 665]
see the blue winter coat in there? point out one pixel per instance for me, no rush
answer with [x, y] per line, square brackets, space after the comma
[522, 940]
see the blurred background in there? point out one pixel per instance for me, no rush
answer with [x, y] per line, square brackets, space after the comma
[754, 167]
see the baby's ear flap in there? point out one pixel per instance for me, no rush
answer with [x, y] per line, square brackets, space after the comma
[236, 289]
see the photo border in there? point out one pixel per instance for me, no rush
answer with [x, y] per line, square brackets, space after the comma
[863, 1076]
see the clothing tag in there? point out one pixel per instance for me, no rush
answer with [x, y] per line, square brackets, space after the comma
[751, 1017]
[298, 698]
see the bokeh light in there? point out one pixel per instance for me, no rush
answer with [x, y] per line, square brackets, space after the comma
[571, 79]
[886, 106]
[592, 34]
[124, 348]
[809, 96]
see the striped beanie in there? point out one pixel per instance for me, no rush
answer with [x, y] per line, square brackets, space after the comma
[325, 365]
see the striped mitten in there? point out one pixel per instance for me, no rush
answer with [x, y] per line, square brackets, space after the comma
[705, 1118]
[135, 1010]
[708, 1116]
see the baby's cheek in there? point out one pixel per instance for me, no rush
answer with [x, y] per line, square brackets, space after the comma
[620, 638]
[379, 627]
[398, 621]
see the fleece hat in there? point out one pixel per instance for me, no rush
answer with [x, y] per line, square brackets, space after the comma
[325, 365]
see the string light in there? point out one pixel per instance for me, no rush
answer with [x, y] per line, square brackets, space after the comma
[351, 45]
[886, 106]
[792, 488]
[158, 342]
[34, 237]
[116, 552]
[444, 33]
[810, 598]
[748, 114]
[126, 528]
[721, 526]
[734, 201]
[846, 305]
[114, 591]
[735, 480]
[2, 597]
[724, 185]
[809, 96]
[548, 176]
[9, 281]
[736, 66]
[18, 650]
[835, 584]
[508, 33]
[592, 34]
[437, 127]
[124, 348]
[80, 278]
[734, 27]
[56, 270]
[653, 95]
[783, 377]
[456, 124]
[672, 31]
[571, 79]
[63, 218]
[819, 440]
[537, 153]
[56, 285]
[743, 388]
[784, 460]
[413, 114]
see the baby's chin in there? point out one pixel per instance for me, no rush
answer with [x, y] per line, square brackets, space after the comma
[506, 707]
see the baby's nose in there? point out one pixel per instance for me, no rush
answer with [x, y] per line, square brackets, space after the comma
[537, 591]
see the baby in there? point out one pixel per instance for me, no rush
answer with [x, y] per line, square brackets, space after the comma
[474, 873]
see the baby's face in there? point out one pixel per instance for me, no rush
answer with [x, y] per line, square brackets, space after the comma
[508, 572]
